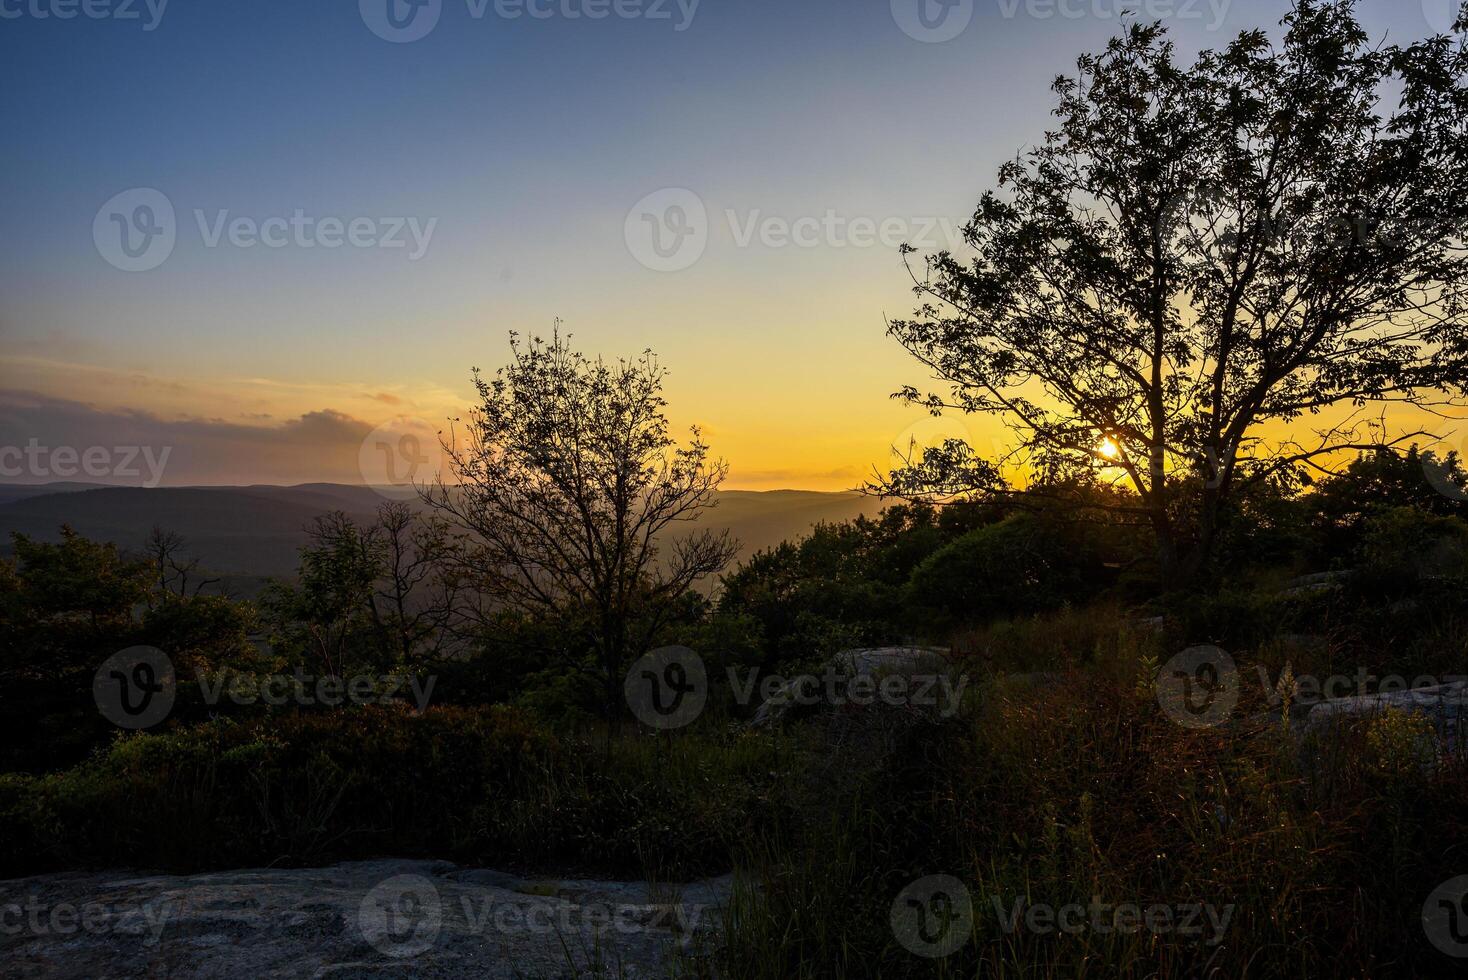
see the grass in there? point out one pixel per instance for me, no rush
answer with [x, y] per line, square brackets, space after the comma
[1320, 855]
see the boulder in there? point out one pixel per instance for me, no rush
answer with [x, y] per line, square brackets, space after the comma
[1317, 582]
[1445, 704]
[874, 661]
[901, 660]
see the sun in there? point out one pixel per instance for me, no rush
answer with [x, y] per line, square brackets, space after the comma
[1109, 449]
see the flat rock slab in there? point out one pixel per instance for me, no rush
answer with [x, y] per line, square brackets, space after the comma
[361, 919]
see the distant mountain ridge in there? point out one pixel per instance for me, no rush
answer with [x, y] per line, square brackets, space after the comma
[259, 530]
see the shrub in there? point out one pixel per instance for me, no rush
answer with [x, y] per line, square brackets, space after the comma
[1402, 547]
[486, 785]
[1020, 565]
[1080, 787]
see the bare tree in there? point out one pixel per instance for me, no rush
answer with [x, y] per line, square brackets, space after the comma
[571, 488]
[1196, 259]
[419, 598]
[172, 572]
[389, 586]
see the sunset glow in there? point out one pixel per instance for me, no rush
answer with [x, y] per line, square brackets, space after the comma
[503, 192]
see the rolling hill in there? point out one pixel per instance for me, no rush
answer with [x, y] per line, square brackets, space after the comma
[257, 531]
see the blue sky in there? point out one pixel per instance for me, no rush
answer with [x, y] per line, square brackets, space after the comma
[525, 142]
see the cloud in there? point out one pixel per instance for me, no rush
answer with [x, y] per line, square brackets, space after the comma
[320, 445]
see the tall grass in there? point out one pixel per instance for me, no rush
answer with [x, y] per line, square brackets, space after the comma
[1077, 787]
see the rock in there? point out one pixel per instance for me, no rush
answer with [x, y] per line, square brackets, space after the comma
[1445, 704]
[901, 660]
[1317, 582]
[392, 918]
[874, 661]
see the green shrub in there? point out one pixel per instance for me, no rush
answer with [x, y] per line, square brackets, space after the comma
[488, 786]
[1020, 565]
[1403, 546]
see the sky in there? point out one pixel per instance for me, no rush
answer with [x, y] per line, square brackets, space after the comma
[256, 233]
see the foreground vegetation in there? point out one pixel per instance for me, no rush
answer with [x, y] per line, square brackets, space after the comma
[1060, 780]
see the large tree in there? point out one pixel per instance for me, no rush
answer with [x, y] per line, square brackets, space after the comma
[578, 501]
[1196, 260]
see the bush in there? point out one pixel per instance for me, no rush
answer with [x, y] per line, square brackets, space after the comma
[1020, 565]
[1402, 547]
[1080, 787]
[487, 786]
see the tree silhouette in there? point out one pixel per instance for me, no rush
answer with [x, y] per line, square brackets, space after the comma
[381, 593]
[174, 574]
[1196, 259]
[570, 488]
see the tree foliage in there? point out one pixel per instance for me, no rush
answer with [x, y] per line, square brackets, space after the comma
[576, 501]
[379, 594]
[1196, 258]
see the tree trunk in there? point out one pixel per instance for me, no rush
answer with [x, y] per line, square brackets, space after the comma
[611, 667]
[1168, 564]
